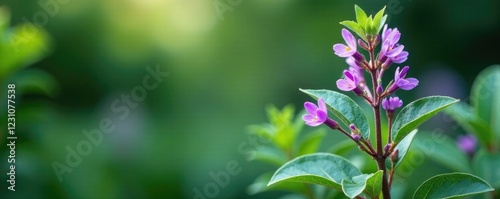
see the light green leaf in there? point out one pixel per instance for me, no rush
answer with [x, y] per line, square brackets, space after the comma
[374, 184]
[343, 108]
[22, 46]
[355, 27]
[451, 185]
[402, 148]
[360, 16]
[485, 97]
[416, 113]
[260, 185]
[311, 142]
[442, 150]
[282, 126]
[319, 168]
[378, 21]
[34, 81]
[463, 114]
[486, 165]
[367, 183]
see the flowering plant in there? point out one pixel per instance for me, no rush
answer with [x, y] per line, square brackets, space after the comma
[337, 172]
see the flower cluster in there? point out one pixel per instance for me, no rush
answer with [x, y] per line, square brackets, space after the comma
[391, 52]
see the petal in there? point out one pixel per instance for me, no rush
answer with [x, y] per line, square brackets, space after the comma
[404, 71]
[340, 50]
[384, 31]
[308, 117]
[351, 62]
[385, 104]
[313, 123]
[348, 75]
[321, 105]
[396, 75]
[345, 85]
[395, 51]
[310, 108]
[394, 37]
[349, 39]
[321, 116]
[402, 57]
[408, 83]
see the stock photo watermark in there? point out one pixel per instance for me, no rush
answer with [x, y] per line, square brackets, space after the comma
[222, 6]
[221, 179]
[120, 106]
[47, 10]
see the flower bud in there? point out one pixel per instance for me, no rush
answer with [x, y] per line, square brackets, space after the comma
[395, 155]
[387, 147]
[380, 90]
[355, 137]
[363, 44]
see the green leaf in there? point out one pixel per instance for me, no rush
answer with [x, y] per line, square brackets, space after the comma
[311, 142]
[465, 117]
[355, 27]
[442, 150]
[282, 126]
[402, 148]
[416, 113]
[35, 81]
[485, 165]
[343, 108]
[374, 184]
[360, 16]
[319, 168]
[371, 184]
[22, 45]
[270, 155]
[451, 185]
[378, 21]
[485, 97]
[260, 185]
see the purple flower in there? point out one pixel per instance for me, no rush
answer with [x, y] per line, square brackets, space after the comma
[316, 115]
[401, 82]
[342, 50]
[400, 58]
[467, 143]
[349, 83]
[390, 47]
[355, 69]
[392, 104]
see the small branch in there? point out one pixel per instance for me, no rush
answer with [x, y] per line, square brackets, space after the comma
[361, 146]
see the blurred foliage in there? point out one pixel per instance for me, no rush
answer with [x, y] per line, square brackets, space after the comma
[223, 73]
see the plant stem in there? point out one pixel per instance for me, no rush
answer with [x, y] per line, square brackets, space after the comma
[380, 158]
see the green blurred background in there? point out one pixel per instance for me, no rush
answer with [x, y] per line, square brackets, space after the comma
[222, 73]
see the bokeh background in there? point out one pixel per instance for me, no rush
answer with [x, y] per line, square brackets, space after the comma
[83, 55]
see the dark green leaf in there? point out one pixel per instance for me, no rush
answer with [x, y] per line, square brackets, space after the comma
[355, 27]
[319, 168]
[451, 185]
[402, 148]
[466, 118]
[416, 113]
[442, 150]
[343, 108]
[485, 97]
[486, 165]
[311, 142]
